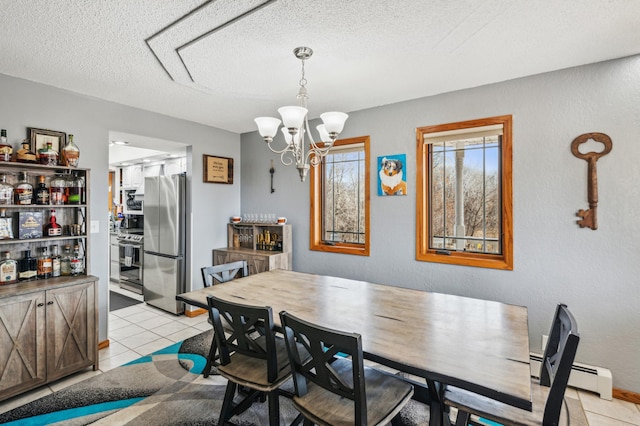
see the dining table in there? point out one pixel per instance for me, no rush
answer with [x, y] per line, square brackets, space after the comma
[441, 339]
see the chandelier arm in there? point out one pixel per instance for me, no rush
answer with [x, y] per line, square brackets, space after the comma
[287, 161]
[279, 151]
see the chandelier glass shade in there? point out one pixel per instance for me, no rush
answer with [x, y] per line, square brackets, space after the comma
[296, 126]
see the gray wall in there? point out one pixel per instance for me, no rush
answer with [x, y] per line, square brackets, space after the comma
[594, 272]
[25, 104]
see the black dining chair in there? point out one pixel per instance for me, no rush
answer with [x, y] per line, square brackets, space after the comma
[547, 392]
[219, 274]
[332, 386]
[223, 273]
[250, 356]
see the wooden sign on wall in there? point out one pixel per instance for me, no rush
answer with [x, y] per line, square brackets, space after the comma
[217, 169]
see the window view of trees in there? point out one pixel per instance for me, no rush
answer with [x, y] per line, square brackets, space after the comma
[464, 173]
[340, 199]
[343, 187]
[464, 213]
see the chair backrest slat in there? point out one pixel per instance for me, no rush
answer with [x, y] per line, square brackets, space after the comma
[253, 332]
[558, 358]
[324, 346]
[223, 273]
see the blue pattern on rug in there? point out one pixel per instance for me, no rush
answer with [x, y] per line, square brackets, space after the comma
[58, 416]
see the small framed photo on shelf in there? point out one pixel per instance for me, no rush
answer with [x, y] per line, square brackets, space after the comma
[217, 169]
[40, 137]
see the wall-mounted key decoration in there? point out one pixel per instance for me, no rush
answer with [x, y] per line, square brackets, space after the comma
[589, 216]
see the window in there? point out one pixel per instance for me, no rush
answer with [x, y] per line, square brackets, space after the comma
[340, 199]
[464, 213]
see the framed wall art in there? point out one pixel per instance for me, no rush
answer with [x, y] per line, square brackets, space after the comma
[40, 137]
[392, 175]
[217, 169]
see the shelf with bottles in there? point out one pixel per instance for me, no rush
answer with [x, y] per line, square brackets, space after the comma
[270, 237]
[42, 262]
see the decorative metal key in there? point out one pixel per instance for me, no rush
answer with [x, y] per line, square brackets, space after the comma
[589, 216]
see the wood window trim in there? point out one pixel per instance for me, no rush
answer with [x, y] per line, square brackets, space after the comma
[316, 242]
[502, 261]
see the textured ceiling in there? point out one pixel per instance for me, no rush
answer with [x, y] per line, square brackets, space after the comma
[224, 62]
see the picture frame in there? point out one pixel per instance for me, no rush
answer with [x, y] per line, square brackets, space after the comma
[217, 169]
[40, 137]
[392, 175]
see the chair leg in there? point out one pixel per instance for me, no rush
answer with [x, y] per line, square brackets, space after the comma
[274, 408]
[462, 419]
[227, 405]
[211, 358]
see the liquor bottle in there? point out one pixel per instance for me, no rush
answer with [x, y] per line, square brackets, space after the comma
[76, 189]
[6, 226]
[55, 261]
[71, 153]
[23, 190]
[65, 261]
[48, 156]
[5, 149]
[8, 269]
[77, 261]
[27, 267]
[52, 229]
[42, 192]
[58, 190]
[6, 191]
[24, 154]
[44, 265]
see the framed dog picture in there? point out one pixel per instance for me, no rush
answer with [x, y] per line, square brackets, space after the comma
[392, 175]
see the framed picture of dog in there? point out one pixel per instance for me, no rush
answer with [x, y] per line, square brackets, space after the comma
[392, 175]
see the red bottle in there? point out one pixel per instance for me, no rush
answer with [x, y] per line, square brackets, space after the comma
[53, 229]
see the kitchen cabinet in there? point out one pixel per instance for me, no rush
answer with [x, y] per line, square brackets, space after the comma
[132, 176]
[251, 245]
[48, 331]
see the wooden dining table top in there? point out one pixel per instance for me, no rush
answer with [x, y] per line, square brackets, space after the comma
[479, 345]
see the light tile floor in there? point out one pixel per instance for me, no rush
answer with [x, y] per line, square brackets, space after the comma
[142, 329]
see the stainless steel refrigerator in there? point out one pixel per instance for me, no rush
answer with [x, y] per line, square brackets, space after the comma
[164, 241]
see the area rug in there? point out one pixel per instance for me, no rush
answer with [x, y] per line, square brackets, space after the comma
[119, 301]
[164, 388]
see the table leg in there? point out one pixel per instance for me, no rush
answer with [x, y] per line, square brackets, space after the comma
[438, 416]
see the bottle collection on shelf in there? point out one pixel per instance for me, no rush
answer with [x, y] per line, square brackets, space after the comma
[70, 263]
[62, 189]
[69, 155]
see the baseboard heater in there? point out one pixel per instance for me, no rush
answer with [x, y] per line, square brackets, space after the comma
[586, 377]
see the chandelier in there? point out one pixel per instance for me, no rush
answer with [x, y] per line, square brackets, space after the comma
[296, 126]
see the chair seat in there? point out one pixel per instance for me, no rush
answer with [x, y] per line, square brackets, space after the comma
[252, 372]
[503, 413]
[385, 396]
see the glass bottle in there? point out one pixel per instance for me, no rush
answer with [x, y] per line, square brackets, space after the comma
[65, 261]
[71, 153]
[6, 226]
[77, 261]
[23, 190]
[6, 191]
[55, 261]
[48, 156]
[58, 190]
[42, 192]
[52, 229]
[24, 154]
[5, 149]
[8, 269]
[27, 267]
[76, 189]
[44, 265]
